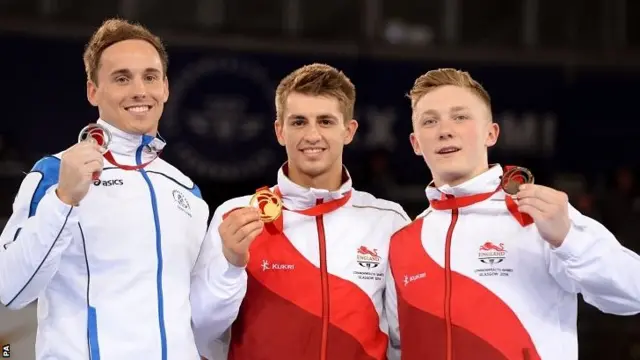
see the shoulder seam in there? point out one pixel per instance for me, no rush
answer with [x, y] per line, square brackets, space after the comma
[173, 179]
[425, 214]
[379, 208]
[406, 226]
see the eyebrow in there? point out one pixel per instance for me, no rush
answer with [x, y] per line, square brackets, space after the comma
[452, 109]
[321, 116]
[128, 72]
[459, 108]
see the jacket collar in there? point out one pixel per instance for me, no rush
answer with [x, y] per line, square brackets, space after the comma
[483, 183]
[124, 143]
[297, 197]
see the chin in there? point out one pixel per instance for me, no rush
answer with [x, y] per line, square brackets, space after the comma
[144, 127]
[449, 174]
[313, 170]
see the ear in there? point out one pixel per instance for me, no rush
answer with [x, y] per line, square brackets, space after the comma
[166, 90]
[414, 144]
[492, 135]
[92, 93]
[279, 128]
[352, 127]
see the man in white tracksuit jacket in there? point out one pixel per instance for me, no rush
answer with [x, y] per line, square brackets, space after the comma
[117, 263]
[492, 269]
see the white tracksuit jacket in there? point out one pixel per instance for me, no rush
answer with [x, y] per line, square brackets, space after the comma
[113, 276]
[473, 283]
[315, 290]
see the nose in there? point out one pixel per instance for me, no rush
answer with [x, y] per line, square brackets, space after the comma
[444, 131]
[312, 135]
[139, 89]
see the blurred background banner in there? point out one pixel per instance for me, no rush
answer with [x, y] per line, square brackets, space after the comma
[219, 119]
[563, 77]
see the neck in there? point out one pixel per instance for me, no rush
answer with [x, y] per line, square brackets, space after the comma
[330, 180]
[457, 179]
[152, 132]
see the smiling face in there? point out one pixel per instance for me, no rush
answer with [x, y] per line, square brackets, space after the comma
[314, 106]
[452, 130]
[131, 87]
[314, 133]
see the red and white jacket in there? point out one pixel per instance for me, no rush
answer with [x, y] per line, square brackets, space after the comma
[473, 283]
[315, 289]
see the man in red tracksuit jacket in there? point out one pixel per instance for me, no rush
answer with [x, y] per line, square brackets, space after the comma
[492, 269]
[314, 278]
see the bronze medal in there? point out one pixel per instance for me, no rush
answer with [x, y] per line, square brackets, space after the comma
[515, 176]
[269, 204]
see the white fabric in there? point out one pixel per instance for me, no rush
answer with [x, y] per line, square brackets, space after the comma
[101, 258]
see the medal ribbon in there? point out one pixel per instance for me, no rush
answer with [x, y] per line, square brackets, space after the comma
[522, 218]
[319, 209]
[449, 202]
[98, 137]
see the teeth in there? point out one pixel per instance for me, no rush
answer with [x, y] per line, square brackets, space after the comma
[447, 151]
[138, 109]
[311, 151]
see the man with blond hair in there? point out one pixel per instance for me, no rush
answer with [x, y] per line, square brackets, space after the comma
[115, 254]
[492, 269]
[315, 276]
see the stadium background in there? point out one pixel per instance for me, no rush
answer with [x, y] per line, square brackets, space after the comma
[563, 77]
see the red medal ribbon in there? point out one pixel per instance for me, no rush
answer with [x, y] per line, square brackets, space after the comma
[98, 136]
[449, 202]
[522, 218]
[319, 209]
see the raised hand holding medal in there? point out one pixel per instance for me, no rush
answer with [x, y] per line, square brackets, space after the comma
[549, 208]
[78, 166]
[100, 135]
[268, 204]
[240, 227]
[82, 163]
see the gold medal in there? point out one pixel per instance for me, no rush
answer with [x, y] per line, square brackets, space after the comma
[269, 204]
[515, 176]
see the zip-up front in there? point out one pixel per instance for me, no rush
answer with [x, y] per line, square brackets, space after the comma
[156, 222]
[447, 274]
[325, 285]
[467, 278]
[95, 264]
[337, 313]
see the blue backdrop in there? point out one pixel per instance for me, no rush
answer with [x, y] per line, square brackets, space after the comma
[219, 120]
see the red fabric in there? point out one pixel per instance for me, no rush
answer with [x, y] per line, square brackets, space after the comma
[482, 326]
[277, 225]
[282, 315]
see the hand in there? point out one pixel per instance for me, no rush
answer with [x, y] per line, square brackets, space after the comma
[77, 166]
[238, 231]
[549, 210]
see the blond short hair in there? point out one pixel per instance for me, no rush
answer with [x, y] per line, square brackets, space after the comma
[113, 31]
[443, 77]
[317, 80]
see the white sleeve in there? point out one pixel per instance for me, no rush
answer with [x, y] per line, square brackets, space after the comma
[34, 238]
[592, 262]
[217, 291]
[391, 300]
[391, 316]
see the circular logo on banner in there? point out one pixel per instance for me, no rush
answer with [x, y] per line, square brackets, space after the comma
[220, 119]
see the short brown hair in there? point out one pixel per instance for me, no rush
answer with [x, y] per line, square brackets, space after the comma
[443, 77]
[317, 80]
[113, 31]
